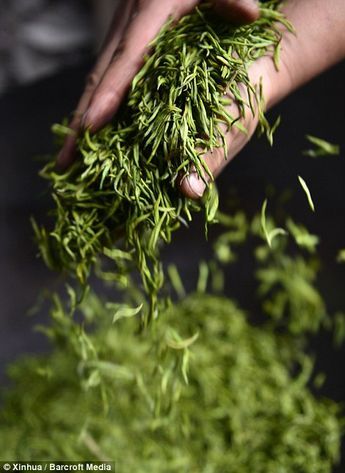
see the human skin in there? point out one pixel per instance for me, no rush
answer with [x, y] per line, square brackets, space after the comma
[317, 44]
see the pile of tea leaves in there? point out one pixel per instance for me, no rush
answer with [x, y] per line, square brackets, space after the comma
[201, 390]
[120, 198]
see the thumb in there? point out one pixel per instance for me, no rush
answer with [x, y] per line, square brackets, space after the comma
[193, 185]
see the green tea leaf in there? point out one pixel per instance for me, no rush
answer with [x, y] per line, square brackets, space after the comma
[125, 312]
[322, 148]
[176, 281]
[182, 344]
[211, 202]
[270, 234]
[302, 237]
[307, 192]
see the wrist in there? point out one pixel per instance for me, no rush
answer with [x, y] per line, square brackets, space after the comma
[316, 45]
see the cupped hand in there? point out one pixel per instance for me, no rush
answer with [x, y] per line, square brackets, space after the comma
[136, 23]
[260, 75]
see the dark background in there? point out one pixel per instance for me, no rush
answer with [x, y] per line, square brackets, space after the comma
[26, 115]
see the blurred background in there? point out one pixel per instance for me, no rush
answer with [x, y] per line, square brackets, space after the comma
[40, 37]
[46, 49]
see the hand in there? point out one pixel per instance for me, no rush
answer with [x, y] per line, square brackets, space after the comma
[305, 54]
[192, 185]
[136, 23]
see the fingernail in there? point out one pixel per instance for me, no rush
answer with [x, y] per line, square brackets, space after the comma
[87, 119]
[66, 155]
[196, 184]
[98, 113]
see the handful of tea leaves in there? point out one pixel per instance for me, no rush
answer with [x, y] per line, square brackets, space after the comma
[120, 199]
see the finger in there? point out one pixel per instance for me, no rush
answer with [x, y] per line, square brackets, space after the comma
[193, 185]
[150, 18]
[110, 44]
[238, 11]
